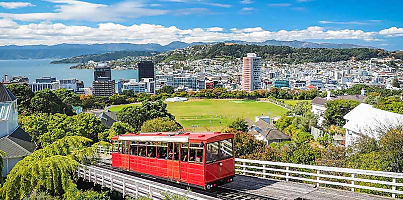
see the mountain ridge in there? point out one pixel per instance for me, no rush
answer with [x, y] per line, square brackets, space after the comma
[12, 52]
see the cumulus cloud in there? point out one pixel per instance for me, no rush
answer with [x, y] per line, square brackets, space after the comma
[80, 10]
[392, 32]
[246, 2]
[279, 4]
[14, 5]
[12, 33]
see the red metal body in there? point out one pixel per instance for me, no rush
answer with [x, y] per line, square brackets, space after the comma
[199, 159]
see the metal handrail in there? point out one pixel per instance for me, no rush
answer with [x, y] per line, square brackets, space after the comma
[262, 168]
[127, 184]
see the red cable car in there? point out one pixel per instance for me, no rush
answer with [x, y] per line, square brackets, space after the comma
[203, 160]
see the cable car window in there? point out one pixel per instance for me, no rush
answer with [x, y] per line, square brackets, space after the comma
[151, 150]
[142, 149]
[226, 149]
[212, 152]
[162, 149]
[184, 152]
[196, 152]
[170, 150]
[115, 148]
[133, 148]
[176, 150]
[126, 147]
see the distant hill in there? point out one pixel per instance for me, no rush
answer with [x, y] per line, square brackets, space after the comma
[13, 52]
[104, 57]
[282, 54]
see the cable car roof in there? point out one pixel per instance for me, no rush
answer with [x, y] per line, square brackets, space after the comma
[172, 137]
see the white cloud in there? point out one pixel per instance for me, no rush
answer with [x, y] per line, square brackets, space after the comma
[80, 10]
[346, 23]
[220, 5]
[14, 5]
[12, 33]
[279, 4]
[215, 29]
[246, 2]
[392, 32]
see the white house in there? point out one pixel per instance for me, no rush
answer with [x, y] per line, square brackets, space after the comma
[365, 120]
[14, 141]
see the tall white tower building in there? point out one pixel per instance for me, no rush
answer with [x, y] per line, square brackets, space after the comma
[252, 72]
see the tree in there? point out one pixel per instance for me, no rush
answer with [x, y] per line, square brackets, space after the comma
[166, 89]
[119, 128]
[128, 93]
[50, 169]
[45, 101]
[117, 99]
[283, 122]
[68, 97]
[137, 115]
[47, 128]
[395, 83]
[305, 122]
[336, 110]
[24, 95]
[239, 124]
[160, 124]
[301, 107]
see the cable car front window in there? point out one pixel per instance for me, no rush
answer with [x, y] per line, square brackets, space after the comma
[226, 149]
[212, 152]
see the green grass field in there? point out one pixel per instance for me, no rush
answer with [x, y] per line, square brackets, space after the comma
[293, 102]
[213, 115]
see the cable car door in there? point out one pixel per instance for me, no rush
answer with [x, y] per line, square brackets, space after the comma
[173, 164]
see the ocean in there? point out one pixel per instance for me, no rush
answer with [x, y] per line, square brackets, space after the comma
[37, 68]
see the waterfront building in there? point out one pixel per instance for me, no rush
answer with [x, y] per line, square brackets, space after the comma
[102, 71]
[251, 72]
[45, 82]
[181, 81]
[146, 69]
[146, 85]
[69, 84]
[14, 141]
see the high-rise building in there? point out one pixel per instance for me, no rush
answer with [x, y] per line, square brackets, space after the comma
[102, 71]
[146, 69]
[251, 72]
[103, 84]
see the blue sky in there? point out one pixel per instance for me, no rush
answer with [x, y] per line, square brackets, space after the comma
[371, 22]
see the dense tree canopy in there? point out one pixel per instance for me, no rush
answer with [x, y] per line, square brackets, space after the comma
[47, 128]
[160, 124]
[239, 124]
[336, 109]
[137, 115]
[45, 101]
[24, 95]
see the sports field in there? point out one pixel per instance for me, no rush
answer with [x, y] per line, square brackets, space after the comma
[294, 102]
[213, 115]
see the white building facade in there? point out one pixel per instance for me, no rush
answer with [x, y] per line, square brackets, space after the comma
[252, 72]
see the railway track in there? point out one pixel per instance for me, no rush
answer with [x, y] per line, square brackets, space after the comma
[221, 192]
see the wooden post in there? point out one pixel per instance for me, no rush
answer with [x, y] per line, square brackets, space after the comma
[287, 174]
[352, 182]
[394, 188]
[317, 178]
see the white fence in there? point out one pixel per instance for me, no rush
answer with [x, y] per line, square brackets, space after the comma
[127, 185]
[351, 178]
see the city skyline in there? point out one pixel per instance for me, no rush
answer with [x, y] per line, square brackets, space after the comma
[49, 22]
